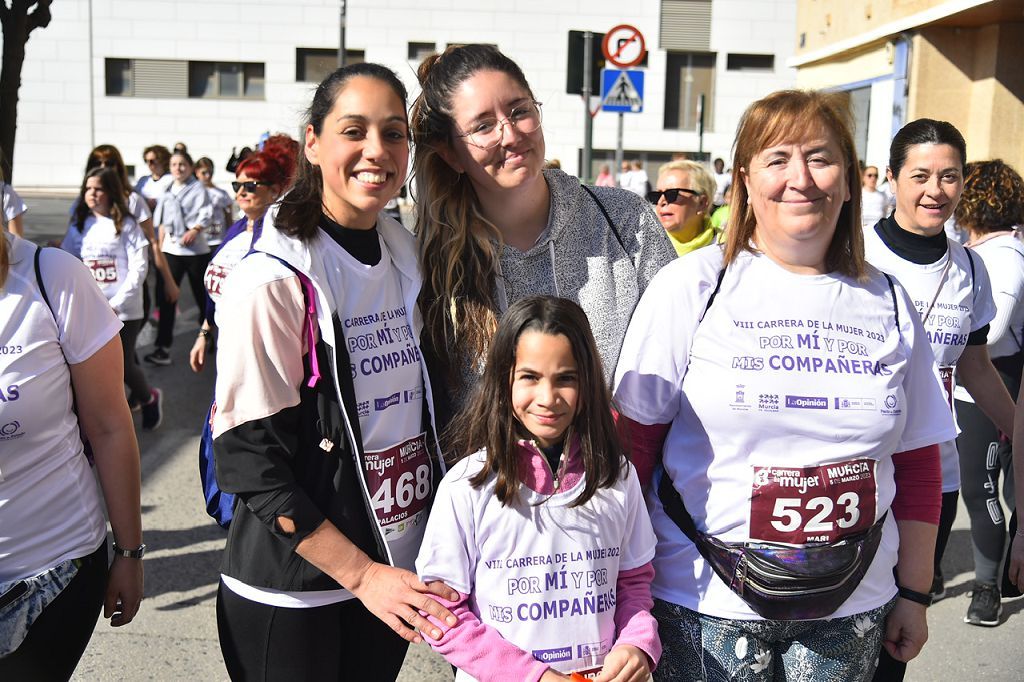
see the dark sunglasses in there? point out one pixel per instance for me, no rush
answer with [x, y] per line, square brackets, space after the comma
[249, 186]
[671, 195]
[150, 160]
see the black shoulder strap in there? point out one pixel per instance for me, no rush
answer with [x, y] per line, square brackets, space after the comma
[711, 299]
[611, 225]
[39, 280]
[970, 259]
[895, 306]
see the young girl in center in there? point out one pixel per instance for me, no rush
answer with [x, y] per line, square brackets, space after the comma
[541, 527]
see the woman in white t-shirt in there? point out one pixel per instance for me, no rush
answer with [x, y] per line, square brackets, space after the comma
[105, 236]
[991, 205]
[59, 341]
[12, 208]
[780, 389]
[183, 215]
[220, 202]
[952, 294]
[324, 424]
[875, 203]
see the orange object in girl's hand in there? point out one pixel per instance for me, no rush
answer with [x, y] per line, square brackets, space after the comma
[576, 677]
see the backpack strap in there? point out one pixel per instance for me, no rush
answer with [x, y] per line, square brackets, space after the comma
[892, 293]
[39, 280]
[607, 217]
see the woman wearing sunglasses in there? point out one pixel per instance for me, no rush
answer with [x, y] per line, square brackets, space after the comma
[682, 201]
[494, 227]
[262, 178]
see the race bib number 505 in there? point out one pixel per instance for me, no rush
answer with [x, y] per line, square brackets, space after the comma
[104, 270]
[399, 481]
[801, 505]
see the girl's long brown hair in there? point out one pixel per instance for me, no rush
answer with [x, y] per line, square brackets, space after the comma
[111, 183]
[488, 421]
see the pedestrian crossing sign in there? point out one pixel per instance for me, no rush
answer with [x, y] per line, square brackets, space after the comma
[622, 91]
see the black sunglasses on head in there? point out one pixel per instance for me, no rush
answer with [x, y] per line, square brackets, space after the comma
[671, 195]
[249, 185]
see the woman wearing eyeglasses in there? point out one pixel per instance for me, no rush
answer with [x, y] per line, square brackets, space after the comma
[493, 227]
[682, 201]
[262, 178]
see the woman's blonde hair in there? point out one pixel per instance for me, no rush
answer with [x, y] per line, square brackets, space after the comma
[455, 240]
[790, 115]
[699, 176]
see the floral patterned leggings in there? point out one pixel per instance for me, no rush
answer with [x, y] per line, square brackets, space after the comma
[701, 647]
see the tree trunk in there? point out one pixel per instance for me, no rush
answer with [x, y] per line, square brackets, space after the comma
[17, 23]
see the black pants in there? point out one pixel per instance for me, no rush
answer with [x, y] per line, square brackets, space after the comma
[58, 637]
[335, 642]
[134, 378]
[984, 458]
[181, 266]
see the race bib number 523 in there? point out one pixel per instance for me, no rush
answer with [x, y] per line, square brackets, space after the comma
[801, 505]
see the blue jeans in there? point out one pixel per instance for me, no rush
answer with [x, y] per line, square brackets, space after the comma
[701, 647]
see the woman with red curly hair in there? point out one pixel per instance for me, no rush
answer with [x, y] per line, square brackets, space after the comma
[991, 205]
[261, 179]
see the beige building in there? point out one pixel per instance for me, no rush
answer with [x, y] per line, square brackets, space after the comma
[956, 60]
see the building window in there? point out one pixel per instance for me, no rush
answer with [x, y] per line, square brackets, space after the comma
[225, 80]
[420, 51]
[313, 64]
[119, 77]
[685, 25]
[750, 62]
[180, 79]
[688, 75]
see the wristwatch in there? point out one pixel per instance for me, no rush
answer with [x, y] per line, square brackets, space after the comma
[908, 594]
[136, 553]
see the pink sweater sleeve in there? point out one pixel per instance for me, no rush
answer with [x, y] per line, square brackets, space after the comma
[480, 650]
[634, 624]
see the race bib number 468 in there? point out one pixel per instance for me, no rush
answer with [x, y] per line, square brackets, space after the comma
[399, 481]
[801, 505]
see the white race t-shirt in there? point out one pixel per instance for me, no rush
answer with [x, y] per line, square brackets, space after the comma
[964, 305]
[874, 206]
[388, 380]
[118, 262]
[541, 573]
[221, 202]
[723, 181]
[224, 261]
[13, 206]
[152, 189]
[51, 508]
[787, 378]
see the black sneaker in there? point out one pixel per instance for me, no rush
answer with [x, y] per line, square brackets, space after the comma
[985, 607]
[160, 356]
[938, 589]
[153, 411]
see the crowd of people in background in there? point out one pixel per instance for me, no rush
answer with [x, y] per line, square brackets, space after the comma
[405, 414]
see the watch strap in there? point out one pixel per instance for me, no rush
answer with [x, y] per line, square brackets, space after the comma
[136, 553]
[911, 595]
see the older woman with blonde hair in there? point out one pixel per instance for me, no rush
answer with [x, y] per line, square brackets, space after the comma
[682, 201]
[784, 395]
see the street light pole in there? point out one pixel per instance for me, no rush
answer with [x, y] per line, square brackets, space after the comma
[341, 36]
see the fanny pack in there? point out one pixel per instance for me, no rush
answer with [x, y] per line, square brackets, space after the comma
[781, 582]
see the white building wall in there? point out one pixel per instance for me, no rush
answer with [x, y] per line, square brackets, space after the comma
[64, 112]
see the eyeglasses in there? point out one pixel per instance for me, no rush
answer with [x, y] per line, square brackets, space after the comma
[249, 186]
[150, 161]
[488, 132]
[671, 195]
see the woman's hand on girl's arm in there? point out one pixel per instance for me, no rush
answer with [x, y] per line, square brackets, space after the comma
[625, 663]
[107, 423]
[391, 594]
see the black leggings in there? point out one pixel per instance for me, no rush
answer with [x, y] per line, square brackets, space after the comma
[984, 456]
[58, 637]
[134, 378]
[181, 266]
[335, 642]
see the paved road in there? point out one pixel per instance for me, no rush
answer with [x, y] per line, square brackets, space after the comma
[175, 636]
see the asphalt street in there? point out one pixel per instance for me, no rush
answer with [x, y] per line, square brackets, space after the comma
[174, 636]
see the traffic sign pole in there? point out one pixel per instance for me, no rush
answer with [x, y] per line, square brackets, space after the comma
[588, 121]
[618, 145]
